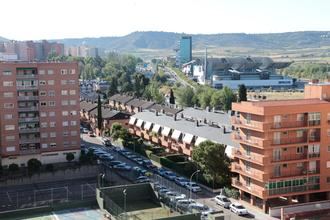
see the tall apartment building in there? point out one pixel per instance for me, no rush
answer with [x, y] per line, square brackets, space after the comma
[39, 113]
[284, 148]
[184, 50]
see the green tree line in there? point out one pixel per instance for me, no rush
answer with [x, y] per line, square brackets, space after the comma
[308, 70]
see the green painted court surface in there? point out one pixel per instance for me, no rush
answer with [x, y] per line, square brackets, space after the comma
[70, 214]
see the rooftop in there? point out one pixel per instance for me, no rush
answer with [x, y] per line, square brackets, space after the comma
[218, 117]
[140, 103]
[121, 98]
[167, 109]
[87, 106]
[106, 112]
[291, 102]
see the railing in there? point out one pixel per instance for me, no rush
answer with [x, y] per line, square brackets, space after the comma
[302, 172]
[28, 130]
[313, 155]
[29, 140]
[292, 189]
[27, 98]
[314, 123]
[252, 124]
[26, 76]
[253, 173]
[26, 87]
[289, 157]
[252, 157]
[289, 141]
[288, 124]
[256, 191]
[26, 109]
[29, 151]
[252, 140]
[35, 119]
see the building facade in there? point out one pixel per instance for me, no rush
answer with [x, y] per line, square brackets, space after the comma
[184, 50]
[284, 152]
[39, 114]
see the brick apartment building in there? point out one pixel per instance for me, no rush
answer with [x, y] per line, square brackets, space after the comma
[39, 113]
[284, 153]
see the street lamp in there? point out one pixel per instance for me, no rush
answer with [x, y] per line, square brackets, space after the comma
[197, 171]
[125, 194]
[100, 179]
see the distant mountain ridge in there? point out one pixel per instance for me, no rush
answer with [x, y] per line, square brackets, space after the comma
[169, 40]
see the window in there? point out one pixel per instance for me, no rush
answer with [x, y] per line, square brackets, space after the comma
[44, 145]
[65, 102]
[52, 134]
[248, 166]
[328, 179]
[42, 82]
[300, 133]
[73, 102]
[73, 112]
[248, 118]
[44, 135]
[51, 93]
[300, 150]
[74, 133]
[285, 165]
[51, 114]
[65, 133]
[43, 103]
[63, 82]
[8, 116]
[300, 117]
[41, 72]
[51, 82]
[8, 94]
[51, 103]
[42, 93]
[299, 165]
[65, 123]
[72, 71]
[73, 143]
[65, 113]
[328, 164]
[328, 148]
[66, 143]
[8, 83]
[72, 82]
[43, 114]
[52, 145]
[43, 125]
[9, 127]
[64, 71]
[6, 73]
[52, 124]
[73, 123]
[50, 72]
[248, 181]
[64, 92]
[10, 138]
[72, 92]
[8, 105]
[10, 149]
[328, 132]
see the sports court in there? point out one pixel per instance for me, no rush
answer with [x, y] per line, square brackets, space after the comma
[70, 214]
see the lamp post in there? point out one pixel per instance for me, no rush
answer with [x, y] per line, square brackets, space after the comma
[100, 179]
[197, 171]
[125, 194]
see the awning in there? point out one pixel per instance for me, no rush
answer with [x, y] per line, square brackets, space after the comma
[199, 140]
[147, 125]
[132, 121]
[156, 128]
[188, 138]
[166, 131]
[139, 123]
[176, 134]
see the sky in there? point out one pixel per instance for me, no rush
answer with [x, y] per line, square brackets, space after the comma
[56, 19]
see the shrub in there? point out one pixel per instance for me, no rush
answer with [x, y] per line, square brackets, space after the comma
[13, 167]
[69, 157]
[34, 165]
[50, 167]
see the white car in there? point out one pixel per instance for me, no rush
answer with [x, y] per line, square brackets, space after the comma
[238, 209]
[193, 187]
[198, 207]
[223, 201]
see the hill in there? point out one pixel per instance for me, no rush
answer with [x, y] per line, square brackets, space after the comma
[168, 40]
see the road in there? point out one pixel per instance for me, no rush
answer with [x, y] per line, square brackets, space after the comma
[177, 78]
[205, 197]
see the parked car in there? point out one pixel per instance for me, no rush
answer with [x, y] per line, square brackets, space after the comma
[138, 160]
[122, 166]
[169, 175]
[223, 201]
[238, 209]
[106, 142]
[142, 179]
[85, 131]
[193, 187]
[183, 204]
[92, 135]
[107, 157]
[115, 162]
[181, 181]
[161, 171]
[198, 207]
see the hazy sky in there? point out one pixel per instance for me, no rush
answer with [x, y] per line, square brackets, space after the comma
[50, 19]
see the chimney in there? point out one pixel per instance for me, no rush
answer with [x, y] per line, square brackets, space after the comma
[181, 115]
[174, 116]
[163, 111]
[205, 121]
[224, 129]
[213, 109]
[207, 108]
[197, 124]
[195, 106]
[156, 113]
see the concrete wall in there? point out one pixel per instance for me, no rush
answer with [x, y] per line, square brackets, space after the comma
[82, 172]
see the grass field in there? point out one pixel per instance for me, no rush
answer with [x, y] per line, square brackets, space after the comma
[277, 95]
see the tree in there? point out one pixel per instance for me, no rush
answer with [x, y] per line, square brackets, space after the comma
[172, 98]
[119, 132]
[186, 97]
[99, 113]
[216, 99]
[242, 96]
[50, 167]
[13, 168]
[227, 97]
[34, 165]
[69, 157]
[212, 160]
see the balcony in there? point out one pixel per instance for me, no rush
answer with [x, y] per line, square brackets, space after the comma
[26, 76]
[27, 98]
[28, 109]
[254, 158]
[289, 157]
[29, 140]
[28, 130]
[253, 173]
[251, 189]
[254, 141]
[282, 141]
[294, 173]
[314, 123]
[24, 151]
[22, 120]
[288, 124]
[27, 87]
[292, 189]
[260, 126]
